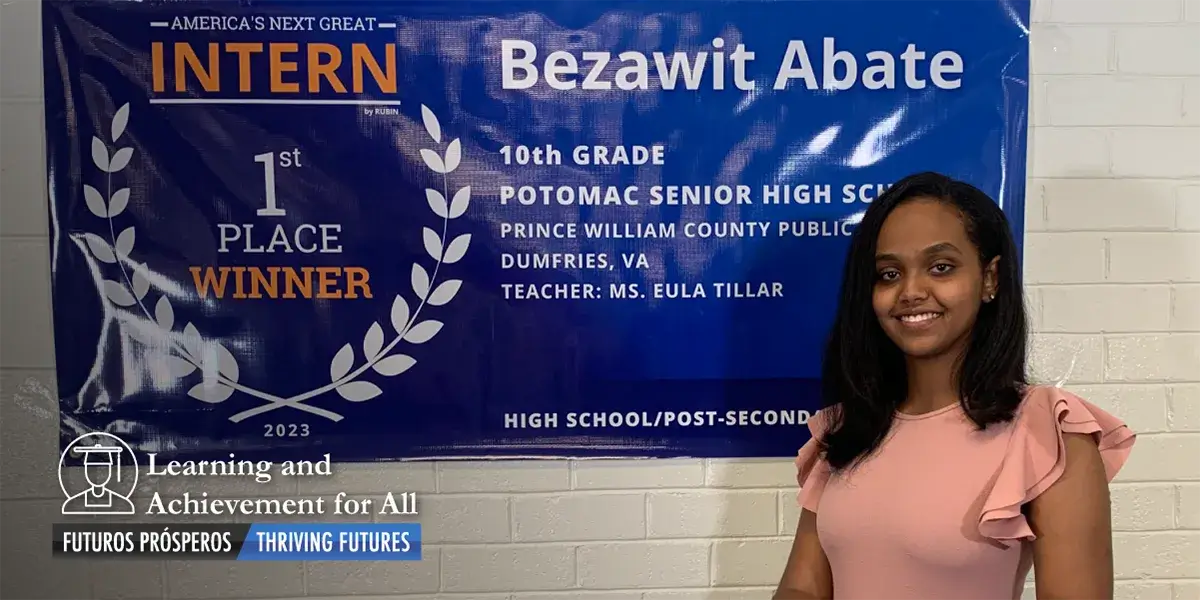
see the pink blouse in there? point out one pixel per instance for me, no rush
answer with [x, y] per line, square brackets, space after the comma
[936, 513]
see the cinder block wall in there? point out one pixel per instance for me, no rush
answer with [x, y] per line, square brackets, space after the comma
[1113, 257]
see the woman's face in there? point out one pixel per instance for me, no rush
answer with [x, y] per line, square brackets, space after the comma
[929, 284]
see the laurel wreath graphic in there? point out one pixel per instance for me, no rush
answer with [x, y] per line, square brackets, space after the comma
[217, 365]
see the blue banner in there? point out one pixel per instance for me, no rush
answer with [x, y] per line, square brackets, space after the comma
[404, 230]
[237, 541]
[332, 541]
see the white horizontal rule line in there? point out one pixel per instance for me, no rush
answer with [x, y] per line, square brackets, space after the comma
[273, 101]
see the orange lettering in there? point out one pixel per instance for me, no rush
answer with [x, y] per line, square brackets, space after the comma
[186, 59]
[209, 280]
[256, 283]
[356, 279]
[156, 66]
[244, 50]
[290, 69]
[328, 70]
[361, 54]
[293, 282]
[280, 66]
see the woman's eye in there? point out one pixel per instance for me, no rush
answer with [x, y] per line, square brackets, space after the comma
[888, 275]
[942, 269]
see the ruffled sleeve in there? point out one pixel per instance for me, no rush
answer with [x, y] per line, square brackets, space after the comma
[812, 472]
[1036, 456]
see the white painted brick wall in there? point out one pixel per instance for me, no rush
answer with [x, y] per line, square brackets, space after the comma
[1114, 265]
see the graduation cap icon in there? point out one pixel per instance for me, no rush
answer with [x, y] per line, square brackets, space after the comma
[99, 454]
[107, 464]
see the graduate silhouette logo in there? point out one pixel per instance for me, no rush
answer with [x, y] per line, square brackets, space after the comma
[110, 469]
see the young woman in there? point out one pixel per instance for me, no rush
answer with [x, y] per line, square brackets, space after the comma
[935, 471]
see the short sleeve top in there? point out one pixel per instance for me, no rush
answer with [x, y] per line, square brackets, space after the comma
[936, 512]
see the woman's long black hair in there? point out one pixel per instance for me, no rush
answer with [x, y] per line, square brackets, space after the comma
[863, 375]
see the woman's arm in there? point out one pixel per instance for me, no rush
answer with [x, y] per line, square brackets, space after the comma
[1072, 555]
[807, 575]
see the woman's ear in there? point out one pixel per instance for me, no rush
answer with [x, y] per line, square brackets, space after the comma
[991, 279]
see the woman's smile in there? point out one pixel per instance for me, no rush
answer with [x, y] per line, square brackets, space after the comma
[919, 321]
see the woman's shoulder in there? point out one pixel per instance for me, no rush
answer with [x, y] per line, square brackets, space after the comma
[820, 421]
[1048, 413]
[812, 472]
[1050, 410]
[1036, 454]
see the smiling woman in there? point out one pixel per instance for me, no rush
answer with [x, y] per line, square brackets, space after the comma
[935, 469]
[927, 295]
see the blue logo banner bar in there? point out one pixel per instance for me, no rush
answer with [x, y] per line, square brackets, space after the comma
[322, 541]
[237, 541]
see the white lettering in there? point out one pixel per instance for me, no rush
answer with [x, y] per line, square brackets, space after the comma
[839, 68]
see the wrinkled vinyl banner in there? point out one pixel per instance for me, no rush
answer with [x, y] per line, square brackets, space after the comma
[396, 230]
